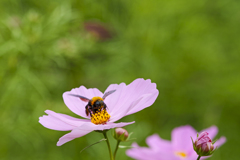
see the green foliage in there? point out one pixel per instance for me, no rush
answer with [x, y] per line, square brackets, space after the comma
[189, 48]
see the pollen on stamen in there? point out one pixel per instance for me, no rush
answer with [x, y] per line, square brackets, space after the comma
[100, 117]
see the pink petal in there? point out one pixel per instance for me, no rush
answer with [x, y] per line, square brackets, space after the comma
[144, 153]
[75, 133]
[86, 128]
[158, 144]
[193, 156]
[141, 153]
[220, 142]
[75, 104]
[132, 98]
[55, 124]
[114, 99]
[110, 125]
[147, 91]
[61, 122]
[212, 131]
[141, 103]
[181, 138]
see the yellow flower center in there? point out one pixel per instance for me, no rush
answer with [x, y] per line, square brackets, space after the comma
[100, 117]
[181, 154]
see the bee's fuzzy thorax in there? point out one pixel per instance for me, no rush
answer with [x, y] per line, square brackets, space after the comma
[94, 99]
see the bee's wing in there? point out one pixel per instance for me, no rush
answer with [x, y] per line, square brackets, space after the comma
[81, 97]
[107, 94]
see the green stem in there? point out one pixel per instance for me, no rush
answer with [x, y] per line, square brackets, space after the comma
[108, 144]
[115, 152]
[198, 157]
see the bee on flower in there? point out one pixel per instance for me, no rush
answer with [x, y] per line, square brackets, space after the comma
[100, 110]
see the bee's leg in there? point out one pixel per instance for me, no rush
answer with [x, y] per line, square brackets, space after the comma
[91, 110]
[104, 106]
[95, 109]
[87, 110]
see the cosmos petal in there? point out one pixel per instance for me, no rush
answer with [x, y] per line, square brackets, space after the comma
[132, 98]
[146, 101]
[158, 144]
[193, 155]
[61, 122]
[147, 91]
[114, 99]
[55, 124]
[75, 133]
[119, 115]
[181, 137]
[75, 104]
[144, 153]
[220, 142]
[140, 153]
[110, 125]
[86, 128]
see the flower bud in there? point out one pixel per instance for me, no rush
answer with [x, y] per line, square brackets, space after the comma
[203, 145]
[120, 134]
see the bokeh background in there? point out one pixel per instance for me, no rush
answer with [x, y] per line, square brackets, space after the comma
[190, 49]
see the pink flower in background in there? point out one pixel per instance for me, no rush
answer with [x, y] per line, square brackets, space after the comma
[180, 148]
[126, 100]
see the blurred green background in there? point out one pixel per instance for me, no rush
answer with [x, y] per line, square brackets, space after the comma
[190, 49]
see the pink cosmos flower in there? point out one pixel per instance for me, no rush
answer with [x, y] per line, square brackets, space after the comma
[126, 100]
[180, 148]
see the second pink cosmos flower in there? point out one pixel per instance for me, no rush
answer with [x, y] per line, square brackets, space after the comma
[180, 148]
[126, 100]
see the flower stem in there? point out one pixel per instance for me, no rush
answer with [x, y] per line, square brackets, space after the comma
[108, 144]
[115, 152]
[198, 157]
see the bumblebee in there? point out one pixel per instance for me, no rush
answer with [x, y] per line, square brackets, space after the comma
[95, 104]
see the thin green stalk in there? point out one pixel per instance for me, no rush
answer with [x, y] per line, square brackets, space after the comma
[115, 152]
[198, 157]
[108, 144]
